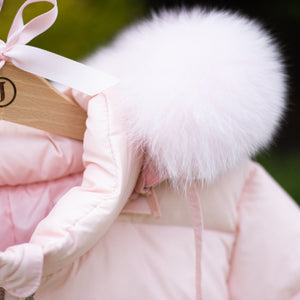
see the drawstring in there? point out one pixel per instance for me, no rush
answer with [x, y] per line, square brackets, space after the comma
[198, 235]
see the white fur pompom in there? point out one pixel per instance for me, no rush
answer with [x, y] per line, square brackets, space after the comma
[200, 91]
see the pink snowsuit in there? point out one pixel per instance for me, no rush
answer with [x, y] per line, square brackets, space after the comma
[162, 200]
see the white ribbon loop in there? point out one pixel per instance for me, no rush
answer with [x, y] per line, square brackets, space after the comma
[23, 34]
[44, 63]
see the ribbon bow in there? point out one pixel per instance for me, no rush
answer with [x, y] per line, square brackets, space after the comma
[44, 63]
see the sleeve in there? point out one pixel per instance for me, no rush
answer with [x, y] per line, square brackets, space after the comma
[266, 257]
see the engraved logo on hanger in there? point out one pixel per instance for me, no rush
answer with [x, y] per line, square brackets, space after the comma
[8, 91]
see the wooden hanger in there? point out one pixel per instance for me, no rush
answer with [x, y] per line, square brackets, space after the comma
[30, 100]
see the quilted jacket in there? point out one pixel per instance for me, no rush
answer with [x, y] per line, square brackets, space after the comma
[162, 199]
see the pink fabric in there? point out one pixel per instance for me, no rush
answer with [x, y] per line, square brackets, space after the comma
[40, 156]
[72, 239]
[21, 269]
[144, 187]
[65, 232]
[266, 254]
[132, 261]
[104, 191]
[24, 206]
[296, 297]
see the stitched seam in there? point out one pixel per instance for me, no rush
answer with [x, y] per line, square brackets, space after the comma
[11, 217]
[104, 198]
[237, 231]
[115, 183]
[41, 181]
[110, 143]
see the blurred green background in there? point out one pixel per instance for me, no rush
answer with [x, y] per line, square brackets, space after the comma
[82, 26]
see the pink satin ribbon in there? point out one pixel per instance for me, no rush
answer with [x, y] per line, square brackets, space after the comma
[44, 63]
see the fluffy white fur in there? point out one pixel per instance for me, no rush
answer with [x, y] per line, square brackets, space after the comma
[200, 91]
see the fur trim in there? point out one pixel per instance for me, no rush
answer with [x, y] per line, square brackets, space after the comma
[200, 91]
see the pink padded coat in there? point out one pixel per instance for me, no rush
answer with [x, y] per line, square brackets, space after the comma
[162, 200]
